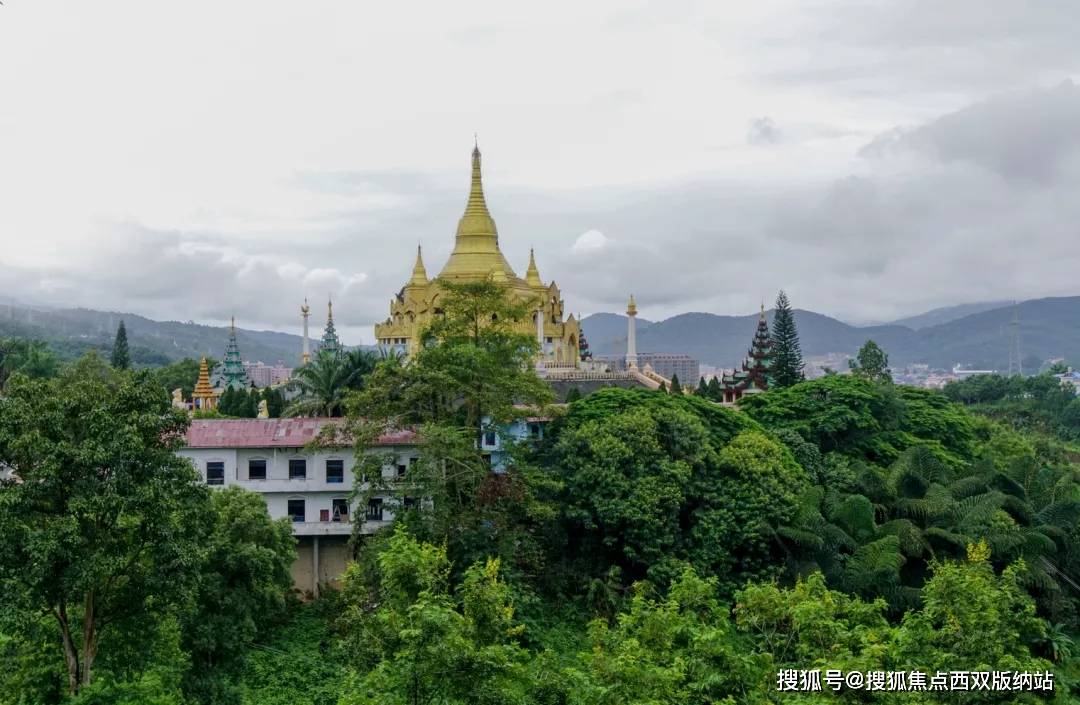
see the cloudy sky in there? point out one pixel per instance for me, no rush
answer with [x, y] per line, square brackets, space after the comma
[195, 160]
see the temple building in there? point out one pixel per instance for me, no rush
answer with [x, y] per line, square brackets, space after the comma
[477, 257]
[756, 373]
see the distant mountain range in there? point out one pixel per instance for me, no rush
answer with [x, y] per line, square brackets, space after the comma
[71, 332]
[975, 335]
[946, 314]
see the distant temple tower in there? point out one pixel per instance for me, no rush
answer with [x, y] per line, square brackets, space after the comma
[233, 374]
[756, 372]
[477, 257]
[204, 397]
[305, 311]
[330, 340]
[631, 333]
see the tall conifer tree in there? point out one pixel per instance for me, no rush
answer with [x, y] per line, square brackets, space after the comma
[787, 354]
[121, 357]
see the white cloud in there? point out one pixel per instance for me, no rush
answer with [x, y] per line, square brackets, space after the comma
[590, 241]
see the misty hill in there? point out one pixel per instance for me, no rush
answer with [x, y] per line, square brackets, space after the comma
[1048, 328]
[71, 332]
[946, 314]
[723, 340]
[609, 327]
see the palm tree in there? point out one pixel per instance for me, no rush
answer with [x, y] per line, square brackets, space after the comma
[324, 384]
[360, 363]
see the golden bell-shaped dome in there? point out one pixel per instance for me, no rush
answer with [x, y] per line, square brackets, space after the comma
[476, 254]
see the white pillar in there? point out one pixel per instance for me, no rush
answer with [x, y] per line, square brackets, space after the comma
[306, 311]
[540, 330]
[631, 334]
[315, 567]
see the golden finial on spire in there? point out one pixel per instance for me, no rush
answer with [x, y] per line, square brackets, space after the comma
[419, 273]
[329, 309]
[305, 309]
[532, 274]
[631, 307]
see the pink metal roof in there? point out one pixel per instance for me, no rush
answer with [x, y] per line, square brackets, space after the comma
[270, 433]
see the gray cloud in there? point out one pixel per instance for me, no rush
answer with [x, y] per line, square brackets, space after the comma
[1032, 134]
[763, 130]
[914, 45]
[964, 207]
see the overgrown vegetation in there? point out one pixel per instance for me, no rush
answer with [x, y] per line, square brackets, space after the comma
[644, 548]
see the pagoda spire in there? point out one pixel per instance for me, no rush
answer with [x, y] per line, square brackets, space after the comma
[232, 366]
[419, 273]
[532, 275]
[476, 251]
[203, 397]
[330, 340]
[476, 226]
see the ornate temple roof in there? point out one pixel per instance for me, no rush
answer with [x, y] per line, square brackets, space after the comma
[476, 254]
[203, 389]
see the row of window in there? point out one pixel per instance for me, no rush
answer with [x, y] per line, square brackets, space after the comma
[335, 471]
[339, 511]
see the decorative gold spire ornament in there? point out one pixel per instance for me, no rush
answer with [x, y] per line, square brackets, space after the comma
[419, 273]
[532, 275]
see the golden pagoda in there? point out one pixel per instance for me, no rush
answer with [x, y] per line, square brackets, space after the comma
[477, 257]
[204, 397]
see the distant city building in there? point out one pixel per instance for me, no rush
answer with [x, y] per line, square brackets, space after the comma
[664, 364]
[263, 375]
[961, 373]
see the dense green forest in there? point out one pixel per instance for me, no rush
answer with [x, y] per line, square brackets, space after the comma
[649, 548]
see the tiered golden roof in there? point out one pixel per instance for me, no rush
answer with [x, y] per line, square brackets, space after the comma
[477, 257]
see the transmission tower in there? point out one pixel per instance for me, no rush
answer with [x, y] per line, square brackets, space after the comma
[1016, 368]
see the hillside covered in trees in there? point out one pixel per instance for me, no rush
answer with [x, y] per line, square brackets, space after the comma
[650, 548]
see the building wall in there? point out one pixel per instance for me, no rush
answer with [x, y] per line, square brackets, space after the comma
[663, 364]
[331, 537]
[334, 556]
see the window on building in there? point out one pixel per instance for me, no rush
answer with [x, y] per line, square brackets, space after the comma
[215, 473]
[401, 469]
[340, 509]
[411, 503]
[489, 438]
[256, 469]
[534, 430]
[296, 510]
[374, 509]
[297, 469]
[335, 472]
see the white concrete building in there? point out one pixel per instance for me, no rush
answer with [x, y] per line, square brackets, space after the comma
[312, 488]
